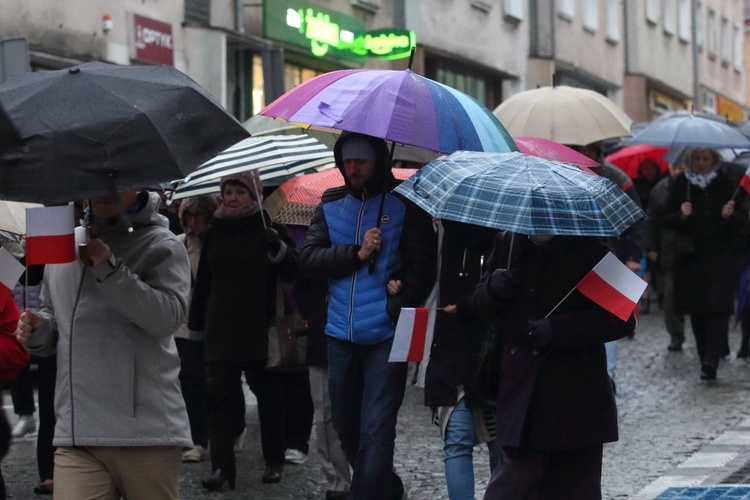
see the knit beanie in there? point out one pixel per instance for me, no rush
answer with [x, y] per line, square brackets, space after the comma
[250, 179]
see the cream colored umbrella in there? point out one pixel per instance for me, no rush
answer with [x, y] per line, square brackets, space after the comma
[568, 115]
[13, 216]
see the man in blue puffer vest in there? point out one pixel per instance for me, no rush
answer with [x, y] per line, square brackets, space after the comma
[362, 235]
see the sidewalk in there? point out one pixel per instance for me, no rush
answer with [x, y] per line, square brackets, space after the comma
[719, 470]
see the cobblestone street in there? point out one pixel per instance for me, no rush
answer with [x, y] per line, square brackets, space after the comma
[666, 415]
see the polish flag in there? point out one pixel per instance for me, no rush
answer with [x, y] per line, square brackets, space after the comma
[49, 235]
[411, 332]
[613, 286]
[10, 272]
[745, 181]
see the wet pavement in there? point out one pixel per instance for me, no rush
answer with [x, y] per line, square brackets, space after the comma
[680, 437]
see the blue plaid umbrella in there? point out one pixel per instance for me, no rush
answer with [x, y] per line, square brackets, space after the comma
[520, 193]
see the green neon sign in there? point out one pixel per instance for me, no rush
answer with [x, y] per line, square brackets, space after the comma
[329, 33]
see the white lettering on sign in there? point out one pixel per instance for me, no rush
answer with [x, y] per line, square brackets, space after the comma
[149, 36]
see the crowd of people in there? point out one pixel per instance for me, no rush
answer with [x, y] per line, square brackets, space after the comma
[151, 334]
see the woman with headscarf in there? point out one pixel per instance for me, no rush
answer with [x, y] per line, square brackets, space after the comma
[195, 214]
[701, 210]
[242, 255]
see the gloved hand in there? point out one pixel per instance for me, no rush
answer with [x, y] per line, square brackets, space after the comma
[504, 284]
[271, 237]
[541, 334]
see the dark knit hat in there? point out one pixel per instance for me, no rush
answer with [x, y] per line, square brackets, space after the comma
[249, 178]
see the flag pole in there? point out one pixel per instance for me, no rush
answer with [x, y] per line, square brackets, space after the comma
[561, 301]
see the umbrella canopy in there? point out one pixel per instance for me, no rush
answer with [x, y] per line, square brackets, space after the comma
[399, 106]
[9, 136]
[295, 200]
[563, 114]
[96, 128]
[13, 216]
[629, 158]
[685, 128]
[277, 157]
[521, 193]
[551, 150]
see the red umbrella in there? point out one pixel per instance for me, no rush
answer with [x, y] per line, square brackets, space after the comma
[295, 200]
[551, 150]
[629, 158]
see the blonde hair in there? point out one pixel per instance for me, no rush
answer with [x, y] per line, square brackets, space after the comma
[693, 152]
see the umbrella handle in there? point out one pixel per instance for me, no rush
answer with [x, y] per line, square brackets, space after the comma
[373, 255]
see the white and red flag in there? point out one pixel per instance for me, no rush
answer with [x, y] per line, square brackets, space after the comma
[49, 235]
[613, 286]
[745, 181]
[411, 332]
[10, 272]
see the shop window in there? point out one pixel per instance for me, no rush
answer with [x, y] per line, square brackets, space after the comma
[258, 93]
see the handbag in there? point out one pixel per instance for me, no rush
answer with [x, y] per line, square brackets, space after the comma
[287, 338]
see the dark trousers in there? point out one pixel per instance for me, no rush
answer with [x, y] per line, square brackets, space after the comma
[298, 409]
[222, 404]
[22, 392]
[711, 334]
[366, 393]
[525, 474]
[45, 452]
[193, 383]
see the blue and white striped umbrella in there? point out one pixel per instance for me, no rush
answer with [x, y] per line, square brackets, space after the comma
[520, 193]
[277, 157]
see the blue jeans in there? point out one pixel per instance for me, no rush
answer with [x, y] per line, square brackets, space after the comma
[459, 451]
[611, 348]
[366, 393]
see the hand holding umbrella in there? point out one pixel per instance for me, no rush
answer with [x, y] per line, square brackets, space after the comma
[371, 243]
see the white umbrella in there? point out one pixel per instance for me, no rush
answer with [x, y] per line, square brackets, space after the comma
[276, 157]
[568, 115]
[13, 216]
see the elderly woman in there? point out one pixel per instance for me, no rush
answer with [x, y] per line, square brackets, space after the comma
[701, 210]
[241, 256]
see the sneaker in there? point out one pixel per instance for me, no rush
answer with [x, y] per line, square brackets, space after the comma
[26, 425]
[294, 456]
[239, 440]
[196, 454]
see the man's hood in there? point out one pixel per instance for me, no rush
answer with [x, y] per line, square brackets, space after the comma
[382, 174]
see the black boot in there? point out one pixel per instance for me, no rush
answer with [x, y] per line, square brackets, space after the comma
[216, 481]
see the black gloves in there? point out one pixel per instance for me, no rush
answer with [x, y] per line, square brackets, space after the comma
[504, 284]
[271, 237]
[540, 334]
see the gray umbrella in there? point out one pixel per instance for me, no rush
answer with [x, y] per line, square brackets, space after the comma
[96, 129]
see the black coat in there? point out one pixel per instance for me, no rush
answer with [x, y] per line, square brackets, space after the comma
[457, 337]
[235, 289]
[561, 397]
[705, 275]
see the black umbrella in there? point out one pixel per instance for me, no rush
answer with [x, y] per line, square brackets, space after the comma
[97, 129]
[9, 136]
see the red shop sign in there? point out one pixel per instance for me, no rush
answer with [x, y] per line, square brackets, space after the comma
[153, 40]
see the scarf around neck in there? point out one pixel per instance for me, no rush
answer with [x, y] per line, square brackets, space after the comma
[227, 212]
[701, 180]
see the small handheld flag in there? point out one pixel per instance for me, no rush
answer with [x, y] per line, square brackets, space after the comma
[613, 286]
[49, 235]
[411, 332]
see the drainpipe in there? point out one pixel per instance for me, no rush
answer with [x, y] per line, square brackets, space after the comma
[239, 16]
[694, 35]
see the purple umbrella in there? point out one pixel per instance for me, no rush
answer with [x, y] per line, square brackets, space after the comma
[399, 106]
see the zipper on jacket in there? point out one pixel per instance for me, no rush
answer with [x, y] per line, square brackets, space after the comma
[70, 359]
[350, 334]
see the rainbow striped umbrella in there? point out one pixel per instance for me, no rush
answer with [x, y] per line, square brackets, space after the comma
[400, 106]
